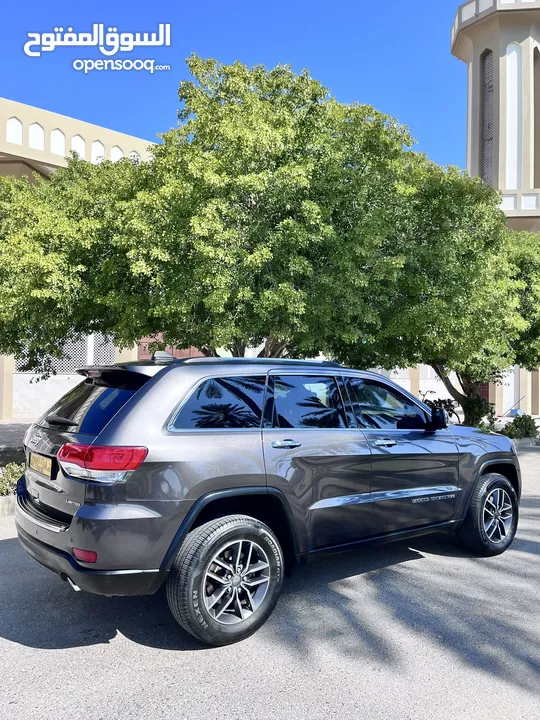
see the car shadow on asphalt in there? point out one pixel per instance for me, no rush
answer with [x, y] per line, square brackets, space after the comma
[39, 610]
[455, 603]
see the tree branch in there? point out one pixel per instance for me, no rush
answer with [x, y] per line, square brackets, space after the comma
[458, 396]
[273, 348]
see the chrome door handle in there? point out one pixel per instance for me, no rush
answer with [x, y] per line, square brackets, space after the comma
[385, 442]
[286, 444]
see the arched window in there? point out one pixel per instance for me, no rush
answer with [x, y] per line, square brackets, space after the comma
[58, 142]
[98, 152]
[14, 131]
[116, 153]
[36, 137]
[78, 145]
[487, 132]
[536, 118]
[514, 132]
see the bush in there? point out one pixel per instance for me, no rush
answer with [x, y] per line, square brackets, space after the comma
[522, 426]
[9, 476]
[489, 421]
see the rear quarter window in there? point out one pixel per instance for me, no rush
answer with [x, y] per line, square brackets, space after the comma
[224, 402]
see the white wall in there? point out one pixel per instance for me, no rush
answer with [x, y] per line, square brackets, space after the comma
[31, 396]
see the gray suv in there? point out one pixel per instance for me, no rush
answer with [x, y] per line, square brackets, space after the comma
[217, 476]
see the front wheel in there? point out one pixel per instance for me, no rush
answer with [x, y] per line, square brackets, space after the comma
[226, 579]
[491, 522]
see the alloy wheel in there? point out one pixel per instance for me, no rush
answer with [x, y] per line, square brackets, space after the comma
[498, 515]
[236, 581]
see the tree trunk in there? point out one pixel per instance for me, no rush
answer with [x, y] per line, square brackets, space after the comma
[470, 397]
[273, 348]
[238, 348]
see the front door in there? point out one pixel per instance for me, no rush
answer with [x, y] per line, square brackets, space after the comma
[415, 473]
[313, 455]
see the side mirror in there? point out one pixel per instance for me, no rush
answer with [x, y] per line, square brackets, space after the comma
[439, 420]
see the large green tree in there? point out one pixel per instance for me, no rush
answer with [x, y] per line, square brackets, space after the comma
[457, 302]
[262, 219]
[272, 216]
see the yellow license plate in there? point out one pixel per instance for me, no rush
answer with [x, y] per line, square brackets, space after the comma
[42, 464]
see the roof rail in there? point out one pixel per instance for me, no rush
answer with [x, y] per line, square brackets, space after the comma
[254, 361]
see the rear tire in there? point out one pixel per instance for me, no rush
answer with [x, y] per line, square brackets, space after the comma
[491, 522]
[226, 579]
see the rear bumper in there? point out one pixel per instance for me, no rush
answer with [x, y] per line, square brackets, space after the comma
[100, 582]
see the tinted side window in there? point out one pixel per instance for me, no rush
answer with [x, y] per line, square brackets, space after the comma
[377, 405]
[228, 402]
[307, 402]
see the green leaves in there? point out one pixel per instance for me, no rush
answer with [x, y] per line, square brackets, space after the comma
[272, 214]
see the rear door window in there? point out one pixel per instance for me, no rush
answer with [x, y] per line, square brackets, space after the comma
[88, 406]
[302, 401]
[226, 402]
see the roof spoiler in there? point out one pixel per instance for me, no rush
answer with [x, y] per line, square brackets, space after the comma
[115, 376]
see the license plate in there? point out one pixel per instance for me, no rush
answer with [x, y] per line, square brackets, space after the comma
[41, 464]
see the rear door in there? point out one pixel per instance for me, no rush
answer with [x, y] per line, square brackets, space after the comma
[78, 416]
[415, 473]
[314, 455]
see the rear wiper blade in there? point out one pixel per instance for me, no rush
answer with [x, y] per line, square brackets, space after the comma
[59, 420]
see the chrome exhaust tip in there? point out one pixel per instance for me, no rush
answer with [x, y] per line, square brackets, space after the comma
[75, 587]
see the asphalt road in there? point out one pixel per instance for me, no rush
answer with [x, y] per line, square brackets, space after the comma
[404, 632]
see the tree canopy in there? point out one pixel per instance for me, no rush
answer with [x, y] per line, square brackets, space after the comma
[261, 218]
[272, 216]
[457, 303]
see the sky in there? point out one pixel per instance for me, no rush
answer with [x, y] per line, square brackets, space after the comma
[393, 54]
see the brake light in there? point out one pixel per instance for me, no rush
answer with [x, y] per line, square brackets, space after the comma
[102, 463]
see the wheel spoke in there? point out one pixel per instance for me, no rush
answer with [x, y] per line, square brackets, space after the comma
[249, 599]
[248, 557]
[257, 567]
[239, 605]
[491, 513]
[502, 530]
[491, 527]
[257, 581]
[225, 606]
[238, 555]
[216, 597]
[223, 564]
[217, 578]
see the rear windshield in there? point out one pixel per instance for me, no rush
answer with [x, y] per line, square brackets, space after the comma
[89, 406]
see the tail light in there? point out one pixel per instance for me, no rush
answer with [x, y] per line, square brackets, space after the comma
[100, 463]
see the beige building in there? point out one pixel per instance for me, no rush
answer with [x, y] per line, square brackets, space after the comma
[499, 40]
[37, 141]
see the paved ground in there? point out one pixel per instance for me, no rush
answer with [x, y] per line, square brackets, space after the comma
[12, 434]
[404, 632]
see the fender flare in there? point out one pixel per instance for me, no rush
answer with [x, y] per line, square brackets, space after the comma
[482, 471]
[202, 502]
